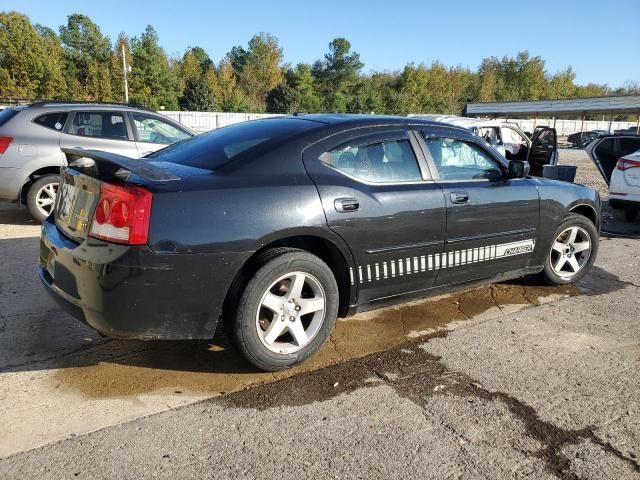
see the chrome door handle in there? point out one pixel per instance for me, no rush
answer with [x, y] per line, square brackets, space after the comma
[459, 197]
[346, 205]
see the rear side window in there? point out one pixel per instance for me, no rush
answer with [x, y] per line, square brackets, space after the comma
[55, 121]
[107, 125]
[154, 130]
[213, 149]
[390, 161]
[7, 114]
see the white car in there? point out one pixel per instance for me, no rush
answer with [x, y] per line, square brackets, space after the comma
[508, 139]
[618, 160]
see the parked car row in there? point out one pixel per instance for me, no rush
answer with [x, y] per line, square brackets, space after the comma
[31, 138]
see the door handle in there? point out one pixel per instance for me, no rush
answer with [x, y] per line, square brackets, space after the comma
[459, 197]
[346, 205]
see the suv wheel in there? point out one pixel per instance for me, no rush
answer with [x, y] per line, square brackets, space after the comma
[42, 195]
[572, 251]
[287, 310]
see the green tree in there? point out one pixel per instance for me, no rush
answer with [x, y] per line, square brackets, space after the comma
[337, 74]
[153, 82]
[261, 71]
[30, 59]
[88, 58]
[197, 96]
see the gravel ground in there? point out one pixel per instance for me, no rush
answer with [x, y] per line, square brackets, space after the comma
[587, 173]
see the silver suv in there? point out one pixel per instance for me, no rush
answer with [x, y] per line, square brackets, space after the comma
[31, 138]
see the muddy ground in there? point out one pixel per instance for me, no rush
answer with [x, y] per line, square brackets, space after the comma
[507, 380]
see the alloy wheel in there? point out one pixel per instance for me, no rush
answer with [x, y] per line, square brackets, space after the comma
[46, 197]
[291, 312]
[570, 252]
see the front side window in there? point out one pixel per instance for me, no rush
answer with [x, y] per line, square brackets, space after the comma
[491, 135]
[54, 121]
[106, 125]
[458, 160]
[391, 161]
[154, 130]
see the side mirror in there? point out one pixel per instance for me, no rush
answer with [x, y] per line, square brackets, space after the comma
[518, 169]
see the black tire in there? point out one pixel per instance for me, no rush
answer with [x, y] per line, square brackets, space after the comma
[585, 224]
[32, 194]
[243, 325]
[624, 215]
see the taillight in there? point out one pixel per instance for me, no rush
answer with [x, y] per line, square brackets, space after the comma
[4, 143]
[625, 164]
[122, 214]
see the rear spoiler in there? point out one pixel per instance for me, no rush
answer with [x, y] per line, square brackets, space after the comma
[108, 165]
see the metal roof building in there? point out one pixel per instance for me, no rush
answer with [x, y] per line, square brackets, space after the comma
[623, 105]
[573, 107]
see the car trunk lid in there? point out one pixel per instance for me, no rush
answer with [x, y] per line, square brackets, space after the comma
[81, 182]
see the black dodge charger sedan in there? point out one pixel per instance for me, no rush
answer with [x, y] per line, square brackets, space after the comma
[275, 227]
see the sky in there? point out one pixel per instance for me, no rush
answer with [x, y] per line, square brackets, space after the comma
[599, 39]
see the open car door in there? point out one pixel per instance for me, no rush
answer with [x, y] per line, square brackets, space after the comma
[605, 152]
[543, 150]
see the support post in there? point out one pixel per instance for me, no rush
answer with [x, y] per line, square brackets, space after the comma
[610, 122]
[124, 72]
[638, 126]
[582, 128]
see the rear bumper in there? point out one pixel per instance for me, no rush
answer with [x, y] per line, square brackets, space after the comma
[130, 292]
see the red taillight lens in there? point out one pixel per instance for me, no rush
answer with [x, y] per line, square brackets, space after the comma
[4, 143]
[122, 214]
[625, 164]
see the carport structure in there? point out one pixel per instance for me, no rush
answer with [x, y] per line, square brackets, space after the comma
[574, 107]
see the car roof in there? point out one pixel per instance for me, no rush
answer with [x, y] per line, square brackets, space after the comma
[86, 106]
[357, 119]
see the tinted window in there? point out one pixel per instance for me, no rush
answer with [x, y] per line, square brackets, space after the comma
[54, 121]
[7, 114]
[154, 130]
[108, 125]
[213, 149]
[458, 160]
[611, 149]
[390, 161]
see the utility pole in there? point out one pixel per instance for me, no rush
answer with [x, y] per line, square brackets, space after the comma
[124, 72]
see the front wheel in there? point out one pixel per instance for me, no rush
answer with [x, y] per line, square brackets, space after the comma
[41, 196]
[572, 251]
[287, 310]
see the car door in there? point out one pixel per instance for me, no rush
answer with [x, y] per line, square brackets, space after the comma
[516, 143]
[491, 219]
[152, 132]
[100, 130]
[543, 150]
[378, 196]
[606, 152]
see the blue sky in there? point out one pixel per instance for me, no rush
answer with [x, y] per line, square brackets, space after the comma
[599, 39]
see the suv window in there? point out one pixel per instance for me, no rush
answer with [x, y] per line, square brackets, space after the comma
[459, 160]
[154, 130]
[55, 120]
[390, 161]
[108, 125]
[490, 134]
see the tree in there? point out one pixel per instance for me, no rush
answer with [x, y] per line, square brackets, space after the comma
[30, 59]
[88, 57]
[337, 74]
[261, 71]
[197, 96]
[153, 82]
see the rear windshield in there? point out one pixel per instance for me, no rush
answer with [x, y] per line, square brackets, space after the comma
[7, 114]
[213, 149]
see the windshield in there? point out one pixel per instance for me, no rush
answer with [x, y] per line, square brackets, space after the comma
[7, 114]
[213, 149]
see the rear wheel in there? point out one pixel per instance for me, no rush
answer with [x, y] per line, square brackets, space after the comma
[287, 310]
[572, 251]
[624, 215]
[42, 195]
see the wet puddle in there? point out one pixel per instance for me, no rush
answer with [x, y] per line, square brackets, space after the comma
[118, 368]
